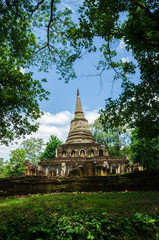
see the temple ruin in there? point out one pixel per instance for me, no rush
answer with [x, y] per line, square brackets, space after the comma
[80, 155]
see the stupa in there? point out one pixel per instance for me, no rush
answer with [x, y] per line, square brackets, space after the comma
[80, 155]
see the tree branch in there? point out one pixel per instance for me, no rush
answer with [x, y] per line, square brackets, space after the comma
[139, 4]
[50, 21]
[151, 43]
[39, 3]
[111, 62]
[145, 8]
[41, 48]
[147, 41]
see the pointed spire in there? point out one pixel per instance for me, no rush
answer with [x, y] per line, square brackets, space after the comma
[77, 92]
[79, 128]
[78, 111]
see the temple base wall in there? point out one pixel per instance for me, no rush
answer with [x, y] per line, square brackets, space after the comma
[136, 181]
[82, 167]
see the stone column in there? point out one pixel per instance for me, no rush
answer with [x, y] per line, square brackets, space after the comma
[47, 171]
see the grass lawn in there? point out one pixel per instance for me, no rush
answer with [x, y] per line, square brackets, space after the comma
[128, 215]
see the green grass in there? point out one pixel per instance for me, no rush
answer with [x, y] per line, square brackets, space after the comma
[114, 204]
[128, 215]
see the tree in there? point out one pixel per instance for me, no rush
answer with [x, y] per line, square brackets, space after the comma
[145, 151]
[99, 135]
[30, 150]
[1, 167]
[136, 107]
[19, 48]
[51, 146]
[19, 95]
[138, 103]
[115, 140]
[19, 92]
[33, 148]
[15, 166]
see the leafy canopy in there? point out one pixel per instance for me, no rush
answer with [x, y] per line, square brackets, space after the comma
[138, 104]
[145, 151]
[65, 40]
[19, 49]
[19, 92]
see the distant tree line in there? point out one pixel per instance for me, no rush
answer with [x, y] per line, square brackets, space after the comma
[32, 149]
[128, 143]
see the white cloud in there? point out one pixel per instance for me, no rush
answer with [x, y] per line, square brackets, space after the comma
[51, 124]
[67, 6]
[125, 59]
[22, 70]
[121, 46]
[91, 116]
[59, 118]
[5, 151]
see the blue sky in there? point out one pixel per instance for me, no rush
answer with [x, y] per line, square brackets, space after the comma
[59, 110]
[93, 91]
